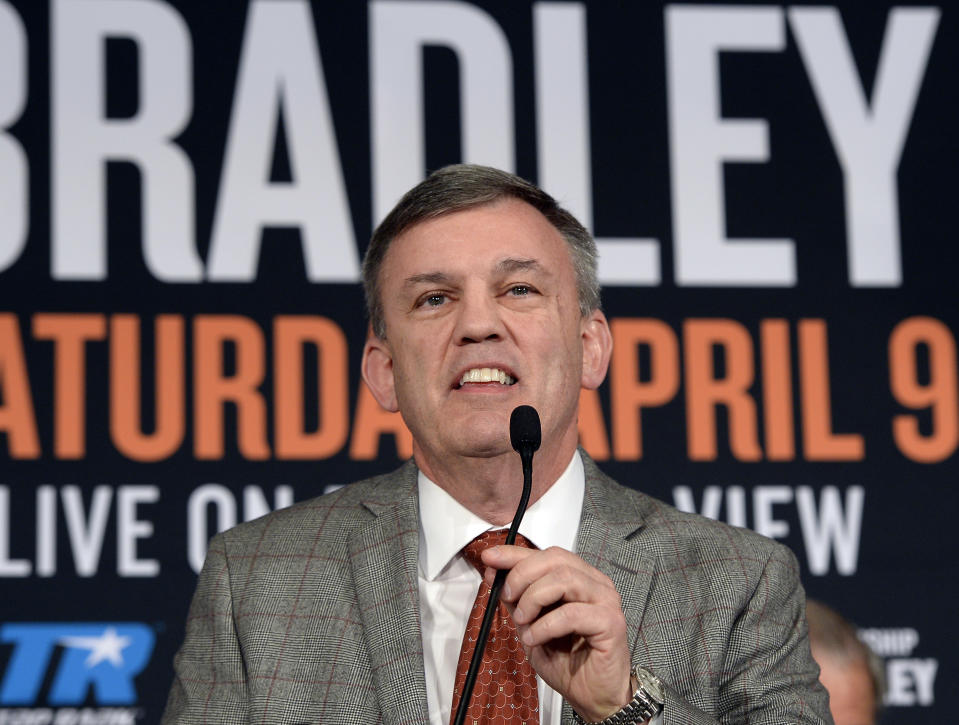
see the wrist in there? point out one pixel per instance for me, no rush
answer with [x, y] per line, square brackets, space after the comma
[646, 700]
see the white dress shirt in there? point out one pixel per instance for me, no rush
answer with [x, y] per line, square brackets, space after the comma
[448, 583]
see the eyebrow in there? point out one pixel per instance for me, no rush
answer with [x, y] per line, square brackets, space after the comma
[426, 278]
[518, 265]
[504, 266]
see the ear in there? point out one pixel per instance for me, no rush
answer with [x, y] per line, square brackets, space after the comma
[597, 349]
[377, 371]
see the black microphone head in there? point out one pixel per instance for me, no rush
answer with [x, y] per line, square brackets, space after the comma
[524, 430]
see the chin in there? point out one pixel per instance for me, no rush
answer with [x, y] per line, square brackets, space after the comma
[483, 441]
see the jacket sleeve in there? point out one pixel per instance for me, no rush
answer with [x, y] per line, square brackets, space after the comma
[210, 684]
[767, 676]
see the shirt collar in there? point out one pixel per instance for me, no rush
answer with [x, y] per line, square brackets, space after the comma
[446, 526]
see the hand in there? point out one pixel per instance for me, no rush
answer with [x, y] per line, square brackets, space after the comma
[570, 620]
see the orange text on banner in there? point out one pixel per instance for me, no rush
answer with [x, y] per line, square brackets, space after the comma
[283, 392]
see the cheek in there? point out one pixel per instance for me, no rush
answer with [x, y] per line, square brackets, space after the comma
[409, 378]
[562, 364]
[561, 353]
[418, 365]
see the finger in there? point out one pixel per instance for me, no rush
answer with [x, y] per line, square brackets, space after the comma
[599, 626]
[534, 563]
[542, 564]
[506, 557]
[562, 583]
[489, 574]
[503, 557]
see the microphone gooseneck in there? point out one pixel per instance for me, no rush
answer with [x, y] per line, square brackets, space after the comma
[525, 436]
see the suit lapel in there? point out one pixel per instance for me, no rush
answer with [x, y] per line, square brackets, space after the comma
[606, 540]
[383, 556]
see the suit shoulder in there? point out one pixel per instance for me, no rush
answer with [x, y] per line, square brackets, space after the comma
[716, 559]
[689, 541]
[331, 516]
[708, 532]
[704, 532]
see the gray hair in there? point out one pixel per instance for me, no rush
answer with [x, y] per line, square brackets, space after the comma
[464, 186]
[836, 636]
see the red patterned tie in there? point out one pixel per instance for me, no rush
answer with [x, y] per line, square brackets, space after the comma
[505, 692]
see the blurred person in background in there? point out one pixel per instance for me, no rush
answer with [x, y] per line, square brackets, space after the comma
[851, 672]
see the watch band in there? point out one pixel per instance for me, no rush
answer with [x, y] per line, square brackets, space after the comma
[647, 701]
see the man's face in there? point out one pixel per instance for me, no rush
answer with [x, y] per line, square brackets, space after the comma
[482, 315]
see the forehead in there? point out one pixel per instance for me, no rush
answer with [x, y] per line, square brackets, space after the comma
[478, 239]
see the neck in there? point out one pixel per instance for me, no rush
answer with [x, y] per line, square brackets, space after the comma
[490, 487]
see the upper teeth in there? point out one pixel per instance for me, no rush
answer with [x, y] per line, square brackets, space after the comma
[486, 375]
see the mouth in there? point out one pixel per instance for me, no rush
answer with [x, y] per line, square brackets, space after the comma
[486, 376]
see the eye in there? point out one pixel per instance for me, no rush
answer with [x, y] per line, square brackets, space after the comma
[434, 299]
[520, 290]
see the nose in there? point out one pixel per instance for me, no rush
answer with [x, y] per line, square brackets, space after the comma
[478, 318]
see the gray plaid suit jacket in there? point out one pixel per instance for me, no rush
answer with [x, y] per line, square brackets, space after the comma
[310, 614]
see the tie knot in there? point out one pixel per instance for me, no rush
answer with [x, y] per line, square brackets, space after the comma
[474, 550]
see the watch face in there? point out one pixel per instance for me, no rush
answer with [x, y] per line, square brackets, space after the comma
[651, 684]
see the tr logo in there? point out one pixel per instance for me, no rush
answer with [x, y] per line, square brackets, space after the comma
[105, 656]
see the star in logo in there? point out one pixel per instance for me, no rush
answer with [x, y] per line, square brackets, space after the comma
[108, 646]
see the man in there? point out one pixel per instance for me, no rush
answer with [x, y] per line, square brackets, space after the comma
[850, 671]
[352, 607]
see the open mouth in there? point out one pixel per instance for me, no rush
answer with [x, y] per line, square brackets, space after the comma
[486, 375]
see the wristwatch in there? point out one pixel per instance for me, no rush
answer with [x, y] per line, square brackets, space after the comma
[648, 700]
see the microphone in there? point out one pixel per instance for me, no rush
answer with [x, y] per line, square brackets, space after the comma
[525, 436]
[524, 431]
